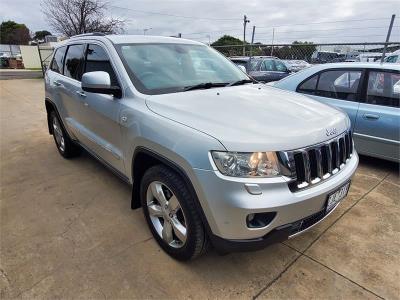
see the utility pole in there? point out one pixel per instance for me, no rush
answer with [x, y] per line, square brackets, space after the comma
[387, 38]
[245, 21]
[145, 30]
[252, 41]
[273, 38]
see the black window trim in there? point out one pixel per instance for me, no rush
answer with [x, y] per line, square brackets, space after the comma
[360, 88]
[365, 84]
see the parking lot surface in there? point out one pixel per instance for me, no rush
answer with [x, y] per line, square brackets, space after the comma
[67, 231]
[20, 74]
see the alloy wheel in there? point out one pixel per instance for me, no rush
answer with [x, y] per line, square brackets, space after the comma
[58, 134]
[166, 214]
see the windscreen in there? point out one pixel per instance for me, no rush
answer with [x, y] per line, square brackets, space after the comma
[168, 68]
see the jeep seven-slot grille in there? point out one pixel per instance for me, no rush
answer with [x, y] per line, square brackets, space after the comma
[316, 163]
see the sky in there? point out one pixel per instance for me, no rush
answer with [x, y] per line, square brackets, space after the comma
[206, 20]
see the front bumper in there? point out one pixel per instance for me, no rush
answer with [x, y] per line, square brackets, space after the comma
[226, 204]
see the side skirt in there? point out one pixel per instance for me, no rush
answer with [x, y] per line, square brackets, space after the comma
[104, 163]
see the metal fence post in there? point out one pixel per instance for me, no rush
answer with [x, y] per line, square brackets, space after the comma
[387, 38]
[40, 57]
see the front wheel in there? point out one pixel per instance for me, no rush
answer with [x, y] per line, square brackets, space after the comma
[171, 214]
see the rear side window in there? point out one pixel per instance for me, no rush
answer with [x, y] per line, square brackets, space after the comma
[339, 84]
[97, 60]
[58, 60]
[309, 86]
[74, 62]
[383, 88]
[336, 84]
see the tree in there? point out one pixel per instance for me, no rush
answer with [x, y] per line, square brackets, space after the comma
[39, 35]
[71, 17]
[228, 40]
[12, 33]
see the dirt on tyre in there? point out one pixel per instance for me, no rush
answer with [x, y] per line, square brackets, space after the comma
[171, 214]
[65, 146]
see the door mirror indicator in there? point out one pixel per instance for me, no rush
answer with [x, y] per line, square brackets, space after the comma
[99, 82]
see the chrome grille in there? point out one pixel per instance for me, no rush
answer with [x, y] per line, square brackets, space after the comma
[316, 163]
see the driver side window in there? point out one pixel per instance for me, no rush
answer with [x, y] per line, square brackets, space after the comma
[97, 60]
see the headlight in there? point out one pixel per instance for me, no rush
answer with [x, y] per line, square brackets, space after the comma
[255, 164]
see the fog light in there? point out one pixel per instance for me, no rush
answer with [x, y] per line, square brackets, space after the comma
[259, 220]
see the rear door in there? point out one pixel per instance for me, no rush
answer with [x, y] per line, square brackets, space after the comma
[100, 114]
[53, 76]
[377, 131]
[337, 87]
[70, 89]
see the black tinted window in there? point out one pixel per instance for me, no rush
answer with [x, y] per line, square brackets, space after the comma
[98, 60]
[309, 86]
[74, 62]
[339, 84]
[58, 60]
[383, 88]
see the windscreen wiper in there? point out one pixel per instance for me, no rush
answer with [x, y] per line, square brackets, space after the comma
[204, 85]
[242, 81]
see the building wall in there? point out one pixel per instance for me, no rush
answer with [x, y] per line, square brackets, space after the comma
[30, 57]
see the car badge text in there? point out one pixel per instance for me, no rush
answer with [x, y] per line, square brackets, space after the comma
[331, 131]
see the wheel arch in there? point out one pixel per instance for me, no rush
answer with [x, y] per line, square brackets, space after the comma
[50, 107]
[144, 158]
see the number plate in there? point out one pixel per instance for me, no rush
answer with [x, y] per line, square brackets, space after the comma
[335, 197]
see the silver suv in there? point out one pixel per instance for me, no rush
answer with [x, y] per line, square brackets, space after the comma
[213, 157]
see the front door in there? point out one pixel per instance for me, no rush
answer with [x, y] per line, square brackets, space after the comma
[101, 113]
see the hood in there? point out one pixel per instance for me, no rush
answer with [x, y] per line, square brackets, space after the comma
[252, 117]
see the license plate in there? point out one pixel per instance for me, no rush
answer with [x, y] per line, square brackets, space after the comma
[335, 197]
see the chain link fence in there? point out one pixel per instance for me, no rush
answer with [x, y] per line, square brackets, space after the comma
[313, 53]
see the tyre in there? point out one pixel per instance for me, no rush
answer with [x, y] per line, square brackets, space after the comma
[171, 214]
[65, 145]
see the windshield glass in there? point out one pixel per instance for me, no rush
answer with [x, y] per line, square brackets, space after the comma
[168, 68]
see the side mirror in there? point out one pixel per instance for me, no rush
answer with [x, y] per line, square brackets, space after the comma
[242, 68]
[99, 82]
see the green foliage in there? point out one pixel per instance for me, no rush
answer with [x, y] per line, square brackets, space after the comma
[228, 40]
[39, 35]
[12, 33]
[297, 50]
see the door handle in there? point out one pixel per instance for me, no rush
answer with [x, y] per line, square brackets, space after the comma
[57, 83]
[82, 94]
[371, 116]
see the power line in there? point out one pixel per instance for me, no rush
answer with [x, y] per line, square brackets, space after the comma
[327, 37]
[214, 31]
[326, 22]
[172, 15]
[281, 32]
[335, 29]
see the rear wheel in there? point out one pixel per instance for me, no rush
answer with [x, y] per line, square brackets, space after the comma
[171, 214]
[65, 145]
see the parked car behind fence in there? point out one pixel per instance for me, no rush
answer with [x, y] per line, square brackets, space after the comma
[263, 68]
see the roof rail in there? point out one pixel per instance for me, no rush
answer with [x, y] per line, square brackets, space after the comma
[88, 34]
